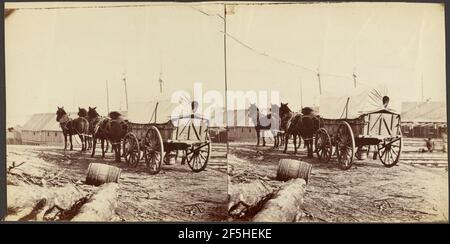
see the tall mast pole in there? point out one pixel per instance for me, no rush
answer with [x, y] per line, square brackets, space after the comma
[126, 92]
[422, 87]
[320, 83]
[107, 96]
[160, 73]
[301, 93]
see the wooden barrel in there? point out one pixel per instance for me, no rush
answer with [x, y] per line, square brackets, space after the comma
[98, 174]
[170, 158]
[290, 169]
[361, 154]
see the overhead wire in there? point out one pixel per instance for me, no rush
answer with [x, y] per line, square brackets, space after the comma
[192, 6]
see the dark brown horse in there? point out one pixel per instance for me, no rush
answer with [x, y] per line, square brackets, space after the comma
[98, 130]
[303, 125]
[78, 126]
[116, 130]
[82, 112]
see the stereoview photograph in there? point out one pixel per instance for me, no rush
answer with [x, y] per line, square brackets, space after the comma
[226, 112]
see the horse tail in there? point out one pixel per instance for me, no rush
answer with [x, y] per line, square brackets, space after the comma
[85, 125]
[80, 126]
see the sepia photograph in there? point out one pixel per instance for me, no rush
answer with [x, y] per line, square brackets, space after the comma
[111, 111]
[344, 117]
[231, 112]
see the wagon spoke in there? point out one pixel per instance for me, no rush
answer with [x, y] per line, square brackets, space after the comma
[203, 157]
[384, 151]
[391, 155]
[394, 152]
[196, 162]
[385, 155]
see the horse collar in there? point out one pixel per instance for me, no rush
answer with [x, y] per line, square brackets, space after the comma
[64, 119]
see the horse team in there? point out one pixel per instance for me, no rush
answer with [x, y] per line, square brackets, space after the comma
[90, 127]
[283, 123]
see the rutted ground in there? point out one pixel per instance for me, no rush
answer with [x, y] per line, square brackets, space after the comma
[368, 192]
[175, 194]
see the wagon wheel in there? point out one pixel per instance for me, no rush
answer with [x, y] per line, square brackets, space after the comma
[197, 156]
[389, 151]
[131, 150]
[345, 143]
[323, 146]
[153, 150]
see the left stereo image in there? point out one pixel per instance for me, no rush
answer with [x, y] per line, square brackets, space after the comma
[115, 112]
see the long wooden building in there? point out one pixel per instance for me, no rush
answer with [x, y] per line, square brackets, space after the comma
[42, 129]
[424, 119]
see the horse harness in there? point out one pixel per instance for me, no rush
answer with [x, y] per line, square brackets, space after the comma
[64, 121]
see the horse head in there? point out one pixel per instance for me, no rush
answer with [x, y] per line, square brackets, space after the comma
[115, 115]
[284, 109]
[60, 113]
[253, 110]
[307, 110]
[82, 112]
[92, 113]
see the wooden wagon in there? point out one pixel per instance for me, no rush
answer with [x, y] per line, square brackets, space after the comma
[352, 134]
[159, 140]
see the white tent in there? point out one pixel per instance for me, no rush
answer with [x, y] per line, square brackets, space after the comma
[153, 111]
[165, 110]
[356, 102]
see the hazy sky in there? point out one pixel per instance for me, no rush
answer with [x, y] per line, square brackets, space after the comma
[383, 42]
[63, 57]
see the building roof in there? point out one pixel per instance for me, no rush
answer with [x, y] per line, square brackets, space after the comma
[47, 121]
[422, 112]
[44, 122]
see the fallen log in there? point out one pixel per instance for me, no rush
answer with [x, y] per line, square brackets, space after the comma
[247, 198]
[101, 206]
[32, 202]
[285, 204]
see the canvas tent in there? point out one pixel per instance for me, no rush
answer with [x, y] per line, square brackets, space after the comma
[358, 101]
[163, 111]
[151, 111]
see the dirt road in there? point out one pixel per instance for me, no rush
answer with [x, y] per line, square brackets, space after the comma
[175, 194]
[368, 192]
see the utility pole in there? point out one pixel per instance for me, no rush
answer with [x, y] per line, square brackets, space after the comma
[107, 96]
[354, 78]
[320, 83]
[225, 69]
[126, 92]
